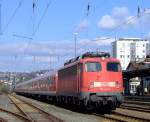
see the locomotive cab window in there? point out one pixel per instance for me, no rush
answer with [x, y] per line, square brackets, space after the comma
[92, 67]
[113, 66]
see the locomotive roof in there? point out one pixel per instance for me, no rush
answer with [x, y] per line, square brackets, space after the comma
[94, 55]
[101, 59]
[110, 59]
[37, 78]
[88, 55]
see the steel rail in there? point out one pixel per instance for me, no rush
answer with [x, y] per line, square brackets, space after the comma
[137, 102]
[15, 114]
[51, 117]
[130, 117]
[119, 117]
[25, 114]
[109, 117]
[135, 108]
[2, 120]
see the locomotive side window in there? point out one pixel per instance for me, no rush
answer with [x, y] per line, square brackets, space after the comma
[70, 71]
[93, 67]
[113, 66]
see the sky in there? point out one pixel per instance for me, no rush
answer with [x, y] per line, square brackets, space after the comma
[40, 34]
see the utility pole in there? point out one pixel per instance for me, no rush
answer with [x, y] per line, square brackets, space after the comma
[75, 44]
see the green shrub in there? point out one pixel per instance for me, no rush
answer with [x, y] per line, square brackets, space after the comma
[4, 89]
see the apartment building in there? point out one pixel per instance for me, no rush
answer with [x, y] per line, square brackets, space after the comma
[130, 49]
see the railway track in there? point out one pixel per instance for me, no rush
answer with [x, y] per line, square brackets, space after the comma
[136, 107]
[137, 98]
[137, 102]
[2, 120]
[11, 114]
[32, 112]
[119, 117]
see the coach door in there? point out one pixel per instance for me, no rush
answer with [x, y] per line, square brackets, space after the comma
[79, 76]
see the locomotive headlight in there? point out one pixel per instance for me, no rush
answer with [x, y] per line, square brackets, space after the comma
[91, 84]
[117, 83]
[94, 84]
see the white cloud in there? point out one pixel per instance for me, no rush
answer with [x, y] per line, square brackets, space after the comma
[52, 48]
[41, 59]
[107, 22]
[119, 16]
[101, 41]
[120, 12]
[104, 41]
[40, 54]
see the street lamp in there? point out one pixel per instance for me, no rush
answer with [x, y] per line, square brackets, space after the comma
[75, 44]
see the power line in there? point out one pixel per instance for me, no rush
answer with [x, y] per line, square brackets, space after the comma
[120, 25]
[12, 16]
[42, 17]
[139, 22]
[40, 21]
[139, 14]
[22, 36]
[34, 5]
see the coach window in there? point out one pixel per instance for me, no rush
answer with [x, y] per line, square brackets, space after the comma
[92, 67]
[113, 66]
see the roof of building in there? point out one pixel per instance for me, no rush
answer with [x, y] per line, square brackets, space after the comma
[134, 65]
[127, 38]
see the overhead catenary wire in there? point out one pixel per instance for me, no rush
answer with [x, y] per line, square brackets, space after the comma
[127, 21]
[22, 36]
[12, 16]
[136, 17]
[34, 4]
[3, 30]
[139, 22]
[77, 28]
[87, 15]
[121, 24]
[42, 17]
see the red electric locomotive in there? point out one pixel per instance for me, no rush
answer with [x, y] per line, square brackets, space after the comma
[93, 80]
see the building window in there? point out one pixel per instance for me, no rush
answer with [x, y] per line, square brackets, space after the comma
[143, 45]
[143, 51]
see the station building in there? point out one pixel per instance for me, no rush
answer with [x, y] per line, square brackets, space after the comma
[137, 77]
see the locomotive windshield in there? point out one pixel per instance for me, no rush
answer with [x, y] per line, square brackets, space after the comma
[113, 66]
[93, 67]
